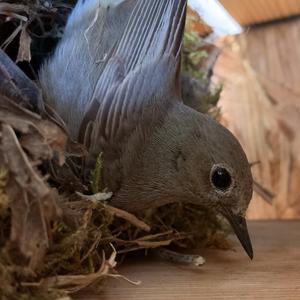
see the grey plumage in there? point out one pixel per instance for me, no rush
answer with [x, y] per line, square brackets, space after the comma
[114, 80]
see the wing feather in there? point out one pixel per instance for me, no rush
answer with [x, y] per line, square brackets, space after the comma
[130, 69]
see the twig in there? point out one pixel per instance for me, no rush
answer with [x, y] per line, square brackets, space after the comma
[128, 217]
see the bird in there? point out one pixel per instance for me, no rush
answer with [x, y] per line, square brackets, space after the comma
[114, 79]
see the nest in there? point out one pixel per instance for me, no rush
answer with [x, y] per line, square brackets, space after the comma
[59, 235]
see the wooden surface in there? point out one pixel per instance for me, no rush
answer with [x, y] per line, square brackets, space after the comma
[274, 55]
[257, 11]
[273, 274]
[260, 104]
[273, 51]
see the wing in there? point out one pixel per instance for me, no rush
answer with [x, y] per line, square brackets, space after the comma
[135, 79]
[138, 83]
[68, 79]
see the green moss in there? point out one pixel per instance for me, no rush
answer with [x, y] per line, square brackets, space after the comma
[193, 55]
[96, 176]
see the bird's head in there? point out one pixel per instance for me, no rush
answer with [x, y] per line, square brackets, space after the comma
[214, 162]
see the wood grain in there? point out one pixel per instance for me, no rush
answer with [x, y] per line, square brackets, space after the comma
[257, 11]
[260, 104]
[273, 54]
[273, 51]
[273, 274]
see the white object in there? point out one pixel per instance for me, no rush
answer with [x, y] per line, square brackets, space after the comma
[215, 15]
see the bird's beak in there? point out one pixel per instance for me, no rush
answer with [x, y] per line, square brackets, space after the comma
[239, 226]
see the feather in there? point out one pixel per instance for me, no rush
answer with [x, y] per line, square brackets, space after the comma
[121, 66]
[69, 77]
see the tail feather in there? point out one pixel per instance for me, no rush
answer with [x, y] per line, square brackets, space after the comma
[105, 44]
[69, 78]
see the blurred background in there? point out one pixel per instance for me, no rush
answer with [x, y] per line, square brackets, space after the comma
[258, 69]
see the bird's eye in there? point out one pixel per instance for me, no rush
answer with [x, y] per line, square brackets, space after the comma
[221, 178]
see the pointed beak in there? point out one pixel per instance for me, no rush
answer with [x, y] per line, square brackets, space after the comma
[239, 226]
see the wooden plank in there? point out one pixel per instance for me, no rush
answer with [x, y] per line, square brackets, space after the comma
[249, 114]
[257, 11]
[272, 51]
[260, 104]
[273, 274]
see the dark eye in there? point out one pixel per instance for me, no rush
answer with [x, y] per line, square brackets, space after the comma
[221, 178]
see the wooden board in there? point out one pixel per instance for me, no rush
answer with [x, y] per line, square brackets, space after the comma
[260, 104]
[273, 51]
[273, 274]
[257, 11]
